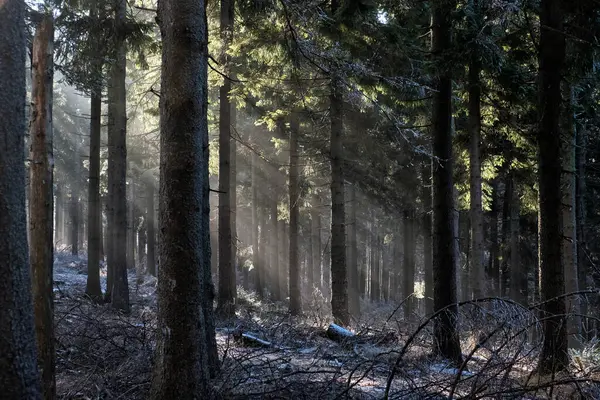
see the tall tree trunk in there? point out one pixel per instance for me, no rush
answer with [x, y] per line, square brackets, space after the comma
[551, 59]
[92, 288]
[254, 226]
[18, 372]
[476, 267]
[294, 195]
[131, 233]
[444, 257]
[518, 293]
[263, 247]
[117, 124]
[150, 234]
[41, 223]
[375, 283]
[185, 354]
[569, 223]
[59, 206]
[409, 263]
[506, 217]
[353, 289]
[274, 250]
[317, 248]
[339, 278]
[581, 216]
[427, 232]
[227, 285]
[141, 233]
[74, 214]
[494, 263]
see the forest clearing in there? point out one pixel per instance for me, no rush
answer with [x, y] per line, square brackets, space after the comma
[299, 199]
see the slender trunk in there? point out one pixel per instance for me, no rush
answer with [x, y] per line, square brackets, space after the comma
[506, 216]
[92, 288]
[444, 256]
[59, 206]
[19, 377]
[227, 288]
[294, 196]
[74, 211]
[254, 223]
[274, 250]
[374, 287]
[263, 246]
[353, 289]
[569, 223]
[581, 216]
[554, 354]
[409, 263]
[339, 276]
[476, 267]
[186, 346]
[150, 235]
[518, 293]
[316, 245]
[427, 232]
[494, 263]
[131, 214]
[41, 200]
[141, 237]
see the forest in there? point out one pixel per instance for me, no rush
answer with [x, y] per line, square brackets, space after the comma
[299, 199]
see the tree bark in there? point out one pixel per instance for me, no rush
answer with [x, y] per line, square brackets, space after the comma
[518, 293]
[427, 236]
[131, 217]
[447, 342]
[184, 354]
[294, 195]
[93, 289]
[19, 377]
[41, 201]
[476, 267]
[554, 354]
[506, 218]
[339, 276]
[569, 222]
[74, 214]
[227, 285]
[409, 263]
[375, 282]
[117, 128]
[494, 263]
[353, 289]
[274, 248]
[316, 244]
[150, 233]
[581, 217]
[258, 284]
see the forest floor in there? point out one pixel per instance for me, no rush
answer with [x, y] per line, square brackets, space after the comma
[103, 354]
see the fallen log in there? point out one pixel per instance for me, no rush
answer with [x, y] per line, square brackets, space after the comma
[337, 333]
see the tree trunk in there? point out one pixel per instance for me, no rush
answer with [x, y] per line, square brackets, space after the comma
[427, 232]
[375, 283]
[581, 216]
[353, 289]
[494, 263]
[569, 223]
[93, 289]
[59, 206]
[447, 342]
[131, 234]
[185, 354]
[227, 285]
[476, 267]
[554, 354]
[518, 293]
[18, 372]
[74, 213]
[294, 195]
[263, 246]
[274, 250]
[254, 226]
[316, 245]
[150, 234]
[339, 278]
[117, 156]
[41, 200]
[141, 233]
[506, 217]
[409, 263]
